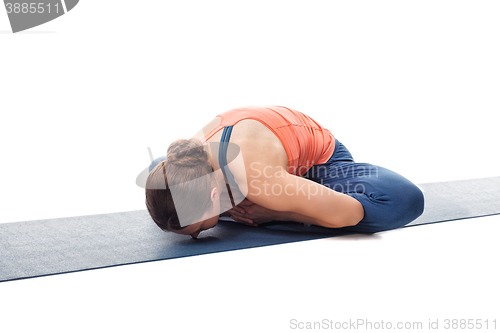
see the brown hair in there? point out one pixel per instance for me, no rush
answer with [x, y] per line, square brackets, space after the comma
[186, 161]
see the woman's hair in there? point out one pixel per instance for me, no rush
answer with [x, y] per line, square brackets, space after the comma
[186, 165]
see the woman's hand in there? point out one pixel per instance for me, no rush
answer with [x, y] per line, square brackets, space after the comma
[237, 213]
[250, 213]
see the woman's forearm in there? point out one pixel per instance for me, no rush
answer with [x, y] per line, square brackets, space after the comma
[250, 212]
[296, 217]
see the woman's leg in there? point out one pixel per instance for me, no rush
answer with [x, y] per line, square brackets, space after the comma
[389, 200]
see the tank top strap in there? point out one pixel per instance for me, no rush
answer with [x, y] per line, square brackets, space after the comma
[228, 176]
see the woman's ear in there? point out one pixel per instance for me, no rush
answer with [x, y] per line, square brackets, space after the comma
[214, 195]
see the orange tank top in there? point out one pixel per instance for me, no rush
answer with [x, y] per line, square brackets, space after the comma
[306, 142]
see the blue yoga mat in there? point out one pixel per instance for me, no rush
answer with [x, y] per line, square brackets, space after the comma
[62, 245]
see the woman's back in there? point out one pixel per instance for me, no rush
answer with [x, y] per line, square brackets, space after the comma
[275, 132]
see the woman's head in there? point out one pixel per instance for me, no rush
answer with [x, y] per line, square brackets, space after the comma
[182, 193]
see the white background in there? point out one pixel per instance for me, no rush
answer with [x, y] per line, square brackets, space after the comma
[412, 86]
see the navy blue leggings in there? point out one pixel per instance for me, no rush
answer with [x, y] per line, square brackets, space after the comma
[390, 201]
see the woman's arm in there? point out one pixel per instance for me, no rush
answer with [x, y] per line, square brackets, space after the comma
[299, 199]
[296, 217]
[248, 212]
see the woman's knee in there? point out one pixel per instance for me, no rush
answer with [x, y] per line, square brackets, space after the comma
[406, 205]
[390, 209]
[412, 201]
[404, 197]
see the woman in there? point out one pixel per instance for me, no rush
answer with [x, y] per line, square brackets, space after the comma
[277, 164]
